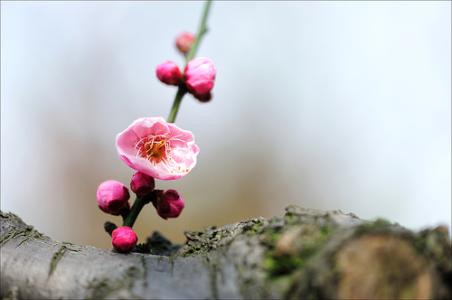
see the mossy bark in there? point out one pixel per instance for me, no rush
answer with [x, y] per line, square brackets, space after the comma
[305, 254]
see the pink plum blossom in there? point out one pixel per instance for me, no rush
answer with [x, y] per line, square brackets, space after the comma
[200, 77]
[142, 184]
[184, 41]
[168, 72]
[169, 204]
[124, 239]
[112, 197]
[157, 148]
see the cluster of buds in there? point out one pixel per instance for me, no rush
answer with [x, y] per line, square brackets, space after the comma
[157, 149]
[113, 198]
[199, 73]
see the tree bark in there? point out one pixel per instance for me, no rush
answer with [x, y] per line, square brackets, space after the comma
[306, 254]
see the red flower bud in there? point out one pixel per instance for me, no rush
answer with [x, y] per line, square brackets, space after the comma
[124, 239]
[203, 97]
[169, 204]
[200, 77]
[168, 72]
[112, 196]
[184, 41]
[142, 184]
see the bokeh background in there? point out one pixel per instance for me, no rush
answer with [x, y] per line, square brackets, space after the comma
[328, 105]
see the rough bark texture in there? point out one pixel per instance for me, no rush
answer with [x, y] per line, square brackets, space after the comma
[305, 254]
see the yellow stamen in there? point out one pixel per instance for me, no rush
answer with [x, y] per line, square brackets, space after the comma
[153, 149]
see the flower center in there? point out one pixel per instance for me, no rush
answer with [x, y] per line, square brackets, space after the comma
[153, 149]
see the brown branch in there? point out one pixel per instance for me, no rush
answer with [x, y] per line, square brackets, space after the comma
[305, 254]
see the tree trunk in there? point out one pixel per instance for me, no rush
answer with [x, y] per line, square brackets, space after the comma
[305, 254]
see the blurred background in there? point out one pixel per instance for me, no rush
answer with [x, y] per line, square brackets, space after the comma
[327, 105]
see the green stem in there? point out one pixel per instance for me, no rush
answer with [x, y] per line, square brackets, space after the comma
[202, 29]
[175, 108]
[194, 48]
[135, 211]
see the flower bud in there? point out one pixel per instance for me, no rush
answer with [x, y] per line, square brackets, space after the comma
[168, 72]
[169, 204]
[203, 98]
[142, 184]
[184, 41]
[124, 239]
[112, 197]
[200, 77]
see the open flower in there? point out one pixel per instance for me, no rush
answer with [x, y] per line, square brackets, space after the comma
[157, 148]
